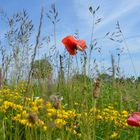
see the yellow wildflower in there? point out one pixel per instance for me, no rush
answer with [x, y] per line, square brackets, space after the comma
[60, 122]
[114, 135]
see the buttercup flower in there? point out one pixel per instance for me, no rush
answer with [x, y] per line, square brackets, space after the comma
[134, 119]
[72, 45]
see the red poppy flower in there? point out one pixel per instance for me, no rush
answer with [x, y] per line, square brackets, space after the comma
[134, 119]
[72, 45]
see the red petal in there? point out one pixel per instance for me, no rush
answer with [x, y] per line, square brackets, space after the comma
[71, 44]
[81, 43]
[134, 119]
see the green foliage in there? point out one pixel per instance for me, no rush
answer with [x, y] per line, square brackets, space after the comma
[41, 69]
[81, 78]
[105, 77]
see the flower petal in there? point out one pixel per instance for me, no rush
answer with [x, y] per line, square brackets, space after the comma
[134, 119]
[72, 45]
[82, 44]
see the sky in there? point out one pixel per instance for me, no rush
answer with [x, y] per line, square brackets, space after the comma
[74, 15]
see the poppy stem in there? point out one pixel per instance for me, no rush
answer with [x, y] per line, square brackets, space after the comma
[94, 119]
[77, 63]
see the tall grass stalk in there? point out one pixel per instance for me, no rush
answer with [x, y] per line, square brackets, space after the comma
[35, 49]
[126, 46]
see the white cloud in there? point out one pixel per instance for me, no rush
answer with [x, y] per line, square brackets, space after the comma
[122, 10]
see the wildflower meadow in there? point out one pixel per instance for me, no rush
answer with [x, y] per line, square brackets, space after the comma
[54, 89]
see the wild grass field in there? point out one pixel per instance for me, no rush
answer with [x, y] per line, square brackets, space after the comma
[63, 96]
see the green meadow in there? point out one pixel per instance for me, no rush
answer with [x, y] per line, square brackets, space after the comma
[48, 95]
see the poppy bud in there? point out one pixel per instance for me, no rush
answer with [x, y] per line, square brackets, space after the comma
[32, 117]
[96, 91]
[57, 105]
[56, 101]
[79, 48]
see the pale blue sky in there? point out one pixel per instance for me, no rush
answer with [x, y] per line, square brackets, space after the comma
[74, 14]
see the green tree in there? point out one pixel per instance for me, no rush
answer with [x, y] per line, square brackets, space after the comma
[41, 69]
[105, 77]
